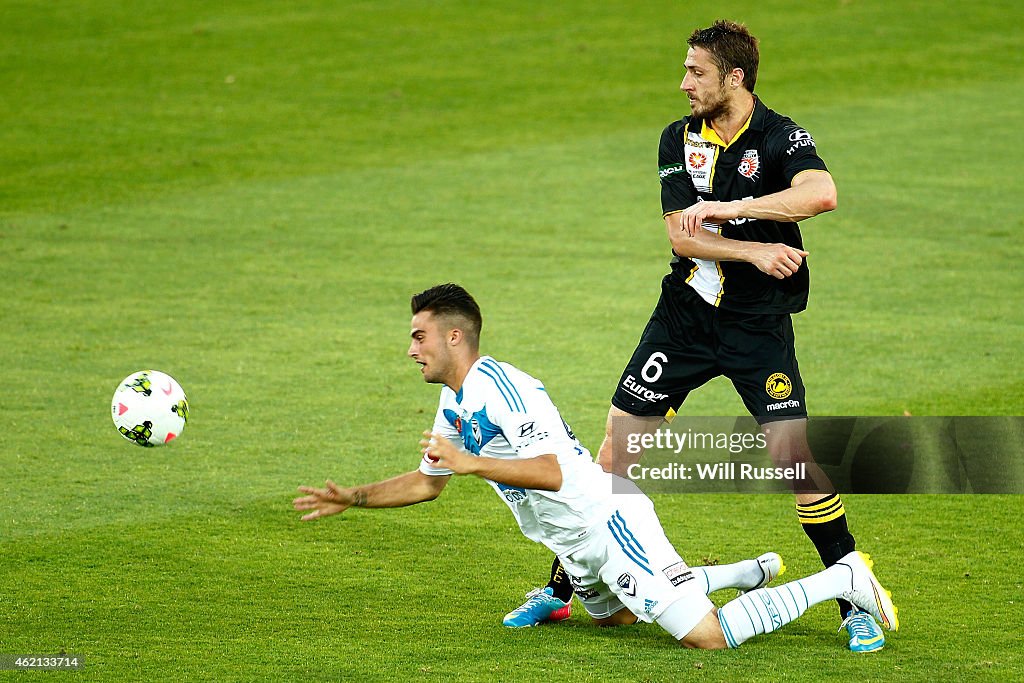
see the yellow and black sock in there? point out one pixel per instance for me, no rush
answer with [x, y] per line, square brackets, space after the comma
[560, 585]
[824, 522]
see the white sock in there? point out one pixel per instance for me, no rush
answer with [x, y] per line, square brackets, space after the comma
[768, 609]
[742, 575]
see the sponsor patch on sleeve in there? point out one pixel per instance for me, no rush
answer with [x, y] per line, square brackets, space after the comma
[671, 169]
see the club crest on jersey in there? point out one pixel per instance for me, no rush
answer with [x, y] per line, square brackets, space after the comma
[478, 434]
[628, 584]
[750, 165]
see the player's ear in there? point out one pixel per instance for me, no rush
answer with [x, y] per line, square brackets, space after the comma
[455, 336]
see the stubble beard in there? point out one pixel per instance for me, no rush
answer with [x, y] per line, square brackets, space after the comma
[715, 109]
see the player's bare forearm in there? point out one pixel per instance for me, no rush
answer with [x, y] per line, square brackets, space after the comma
[704, 244]
[542, 472]
[778, 260]
[812, 193]
[406, 489]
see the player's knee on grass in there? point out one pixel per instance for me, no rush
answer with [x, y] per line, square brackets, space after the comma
[694, 623]
[706, 635]
[621, 618]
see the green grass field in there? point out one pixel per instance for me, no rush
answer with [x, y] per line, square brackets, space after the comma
[244, 195]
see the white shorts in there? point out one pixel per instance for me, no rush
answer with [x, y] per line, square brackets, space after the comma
[630, 563]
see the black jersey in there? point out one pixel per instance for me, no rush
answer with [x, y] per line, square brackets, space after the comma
[763, 158]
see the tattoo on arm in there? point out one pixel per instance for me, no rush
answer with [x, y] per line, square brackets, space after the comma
[359, 498]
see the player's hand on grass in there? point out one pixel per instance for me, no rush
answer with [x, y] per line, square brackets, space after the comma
[323, 502]
[778, 260]
[443, 453]
[708, 212]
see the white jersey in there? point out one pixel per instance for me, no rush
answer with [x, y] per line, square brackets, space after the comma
[501, 412]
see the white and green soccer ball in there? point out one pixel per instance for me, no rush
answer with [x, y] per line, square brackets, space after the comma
[149, 408]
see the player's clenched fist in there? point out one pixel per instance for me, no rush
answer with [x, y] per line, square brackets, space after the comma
[778, 260]
[443, 453]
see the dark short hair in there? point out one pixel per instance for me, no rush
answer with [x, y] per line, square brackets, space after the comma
[452, 301]
[731, 46]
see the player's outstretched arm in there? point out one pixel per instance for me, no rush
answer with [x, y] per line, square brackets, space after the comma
[542, 472]
[406, 489]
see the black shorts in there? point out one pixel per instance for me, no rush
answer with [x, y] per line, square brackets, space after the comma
[688, 342]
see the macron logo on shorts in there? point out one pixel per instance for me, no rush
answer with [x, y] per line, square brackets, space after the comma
[791, 403]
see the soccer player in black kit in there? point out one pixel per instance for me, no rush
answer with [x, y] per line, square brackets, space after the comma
[736, 177]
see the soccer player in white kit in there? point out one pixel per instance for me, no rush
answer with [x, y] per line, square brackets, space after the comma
[496, 422]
